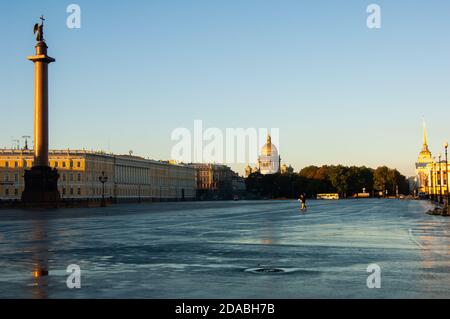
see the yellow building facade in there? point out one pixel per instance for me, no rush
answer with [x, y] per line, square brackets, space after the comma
[431, 174]
[129, 177]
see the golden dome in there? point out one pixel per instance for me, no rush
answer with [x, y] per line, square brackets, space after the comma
[269, 149]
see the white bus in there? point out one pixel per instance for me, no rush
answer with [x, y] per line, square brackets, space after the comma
[328, 196]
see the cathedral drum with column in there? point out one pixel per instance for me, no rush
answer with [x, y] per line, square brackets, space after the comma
[269, 161]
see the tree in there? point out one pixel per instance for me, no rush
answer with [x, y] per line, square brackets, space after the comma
[388, 180]
[313, 180]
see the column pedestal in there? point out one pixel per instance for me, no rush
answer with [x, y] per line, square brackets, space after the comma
[41, 185]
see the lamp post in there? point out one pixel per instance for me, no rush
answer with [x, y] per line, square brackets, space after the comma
[415, 187]
[440, 179]
[139, 187]
[430, 182]
[446, 177]
[433, 187]
[103, 179]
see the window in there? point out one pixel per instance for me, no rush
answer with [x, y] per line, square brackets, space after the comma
[25, 164]
[6, 177]
[7, 191]
[64, 164]
[56, 163]
[6, 164]
[79, 177]
[79, 164]
[79, 191]
[16, 164]
[64, 191]
[16, 177]
[71, 164]
[64, 177]
[71, 177]
[16, 192]
[71, 191]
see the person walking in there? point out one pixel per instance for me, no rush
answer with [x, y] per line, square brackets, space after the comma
[303, 202]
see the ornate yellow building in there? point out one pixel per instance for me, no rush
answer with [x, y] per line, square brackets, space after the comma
[129, 177]
[432, 174]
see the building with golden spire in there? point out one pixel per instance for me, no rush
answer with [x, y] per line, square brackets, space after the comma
[423, 165]
[432, 172]
[425, 154]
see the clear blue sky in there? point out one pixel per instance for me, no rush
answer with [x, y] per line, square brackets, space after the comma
[339, 92]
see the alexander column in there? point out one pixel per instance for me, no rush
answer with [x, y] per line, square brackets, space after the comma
[41, 181]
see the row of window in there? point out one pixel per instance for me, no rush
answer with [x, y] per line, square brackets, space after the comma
[16, 192]
[63, 164]
[64, 191]
[71, 177]
[55, 164]
[16, 177]
[71, 191]
[16, 164]
[64, 178]
[95, 191]
[438, 183]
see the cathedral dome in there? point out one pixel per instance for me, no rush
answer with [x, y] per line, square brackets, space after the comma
[269, 160]
[269, 149]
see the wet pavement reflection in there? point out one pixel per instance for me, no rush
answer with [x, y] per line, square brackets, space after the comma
[264, 249]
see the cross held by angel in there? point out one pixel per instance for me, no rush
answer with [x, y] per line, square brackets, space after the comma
[38, 30]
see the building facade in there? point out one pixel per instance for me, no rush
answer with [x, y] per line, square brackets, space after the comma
[129, 177]
[431, 173]
[214, 181]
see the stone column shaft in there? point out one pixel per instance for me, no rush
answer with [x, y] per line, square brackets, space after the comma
[41, 61]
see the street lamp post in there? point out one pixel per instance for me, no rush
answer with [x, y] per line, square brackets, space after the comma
[415, 187]
[433, 187]
[430, 182]
[440, 179]
[139, 186]
[103, 179]
[446, 177]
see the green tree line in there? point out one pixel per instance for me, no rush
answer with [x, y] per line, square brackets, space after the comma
[313, 180]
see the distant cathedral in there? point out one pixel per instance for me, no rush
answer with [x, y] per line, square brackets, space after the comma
[269, 161]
